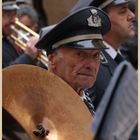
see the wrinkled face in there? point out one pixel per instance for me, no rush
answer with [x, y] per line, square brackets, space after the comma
[75, 66]
[121, 21]
[8, 18]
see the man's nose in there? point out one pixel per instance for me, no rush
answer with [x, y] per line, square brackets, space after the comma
[131, 15]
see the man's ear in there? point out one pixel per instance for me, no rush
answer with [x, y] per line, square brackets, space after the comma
[52, 59]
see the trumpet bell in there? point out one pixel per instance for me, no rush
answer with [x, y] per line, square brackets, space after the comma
[21, 35]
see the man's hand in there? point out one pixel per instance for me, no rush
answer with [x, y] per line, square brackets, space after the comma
[31, 50]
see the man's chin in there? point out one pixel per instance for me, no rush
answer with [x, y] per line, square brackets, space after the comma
[131, 34]
[88, 85]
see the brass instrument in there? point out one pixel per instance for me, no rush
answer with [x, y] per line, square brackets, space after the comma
[65, 117]
[21, 36]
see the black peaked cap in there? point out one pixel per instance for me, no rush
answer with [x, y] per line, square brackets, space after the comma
[81, 25]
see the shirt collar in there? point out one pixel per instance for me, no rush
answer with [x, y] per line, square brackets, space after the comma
[111, 51]
[83, 96]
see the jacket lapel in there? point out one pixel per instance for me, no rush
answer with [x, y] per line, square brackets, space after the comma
[108, 62]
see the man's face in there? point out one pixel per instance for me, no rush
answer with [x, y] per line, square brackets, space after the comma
[8, 18]
[27, 21]
[121, 22]
[76, 66]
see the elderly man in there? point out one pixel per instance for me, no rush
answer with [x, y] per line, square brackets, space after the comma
[73, 48]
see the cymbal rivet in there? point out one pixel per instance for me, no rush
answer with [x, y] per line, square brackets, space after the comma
[41, 131]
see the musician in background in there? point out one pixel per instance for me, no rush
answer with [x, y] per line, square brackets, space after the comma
[73, 49]
[129, 49]
[29, 17]
[9, 53]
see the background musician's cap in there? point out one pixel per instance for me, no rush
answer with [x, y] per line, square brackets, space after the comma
[28, 2]
[104, 3]
[97, 3]
[9, 5]
[78, 30]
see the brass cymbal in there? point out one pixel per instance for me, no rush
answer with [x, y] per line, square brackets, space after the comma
[35, 96]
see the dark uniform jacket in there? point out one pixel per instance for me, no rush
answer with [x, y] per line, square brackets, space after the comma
[105, 73]
[96, 92]
[11, 56]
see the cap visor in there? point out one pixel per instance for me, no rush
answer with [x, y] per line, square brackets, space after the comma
[87, 44]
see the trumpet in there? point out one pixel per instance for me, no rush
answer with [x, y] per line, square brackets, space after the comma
[21, 35]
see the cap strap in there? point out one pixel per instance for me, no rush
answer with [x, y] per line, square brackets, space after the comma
[77, 38]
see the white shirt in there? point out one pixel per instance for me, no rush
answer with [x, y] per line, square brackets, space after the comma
[110, 50]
